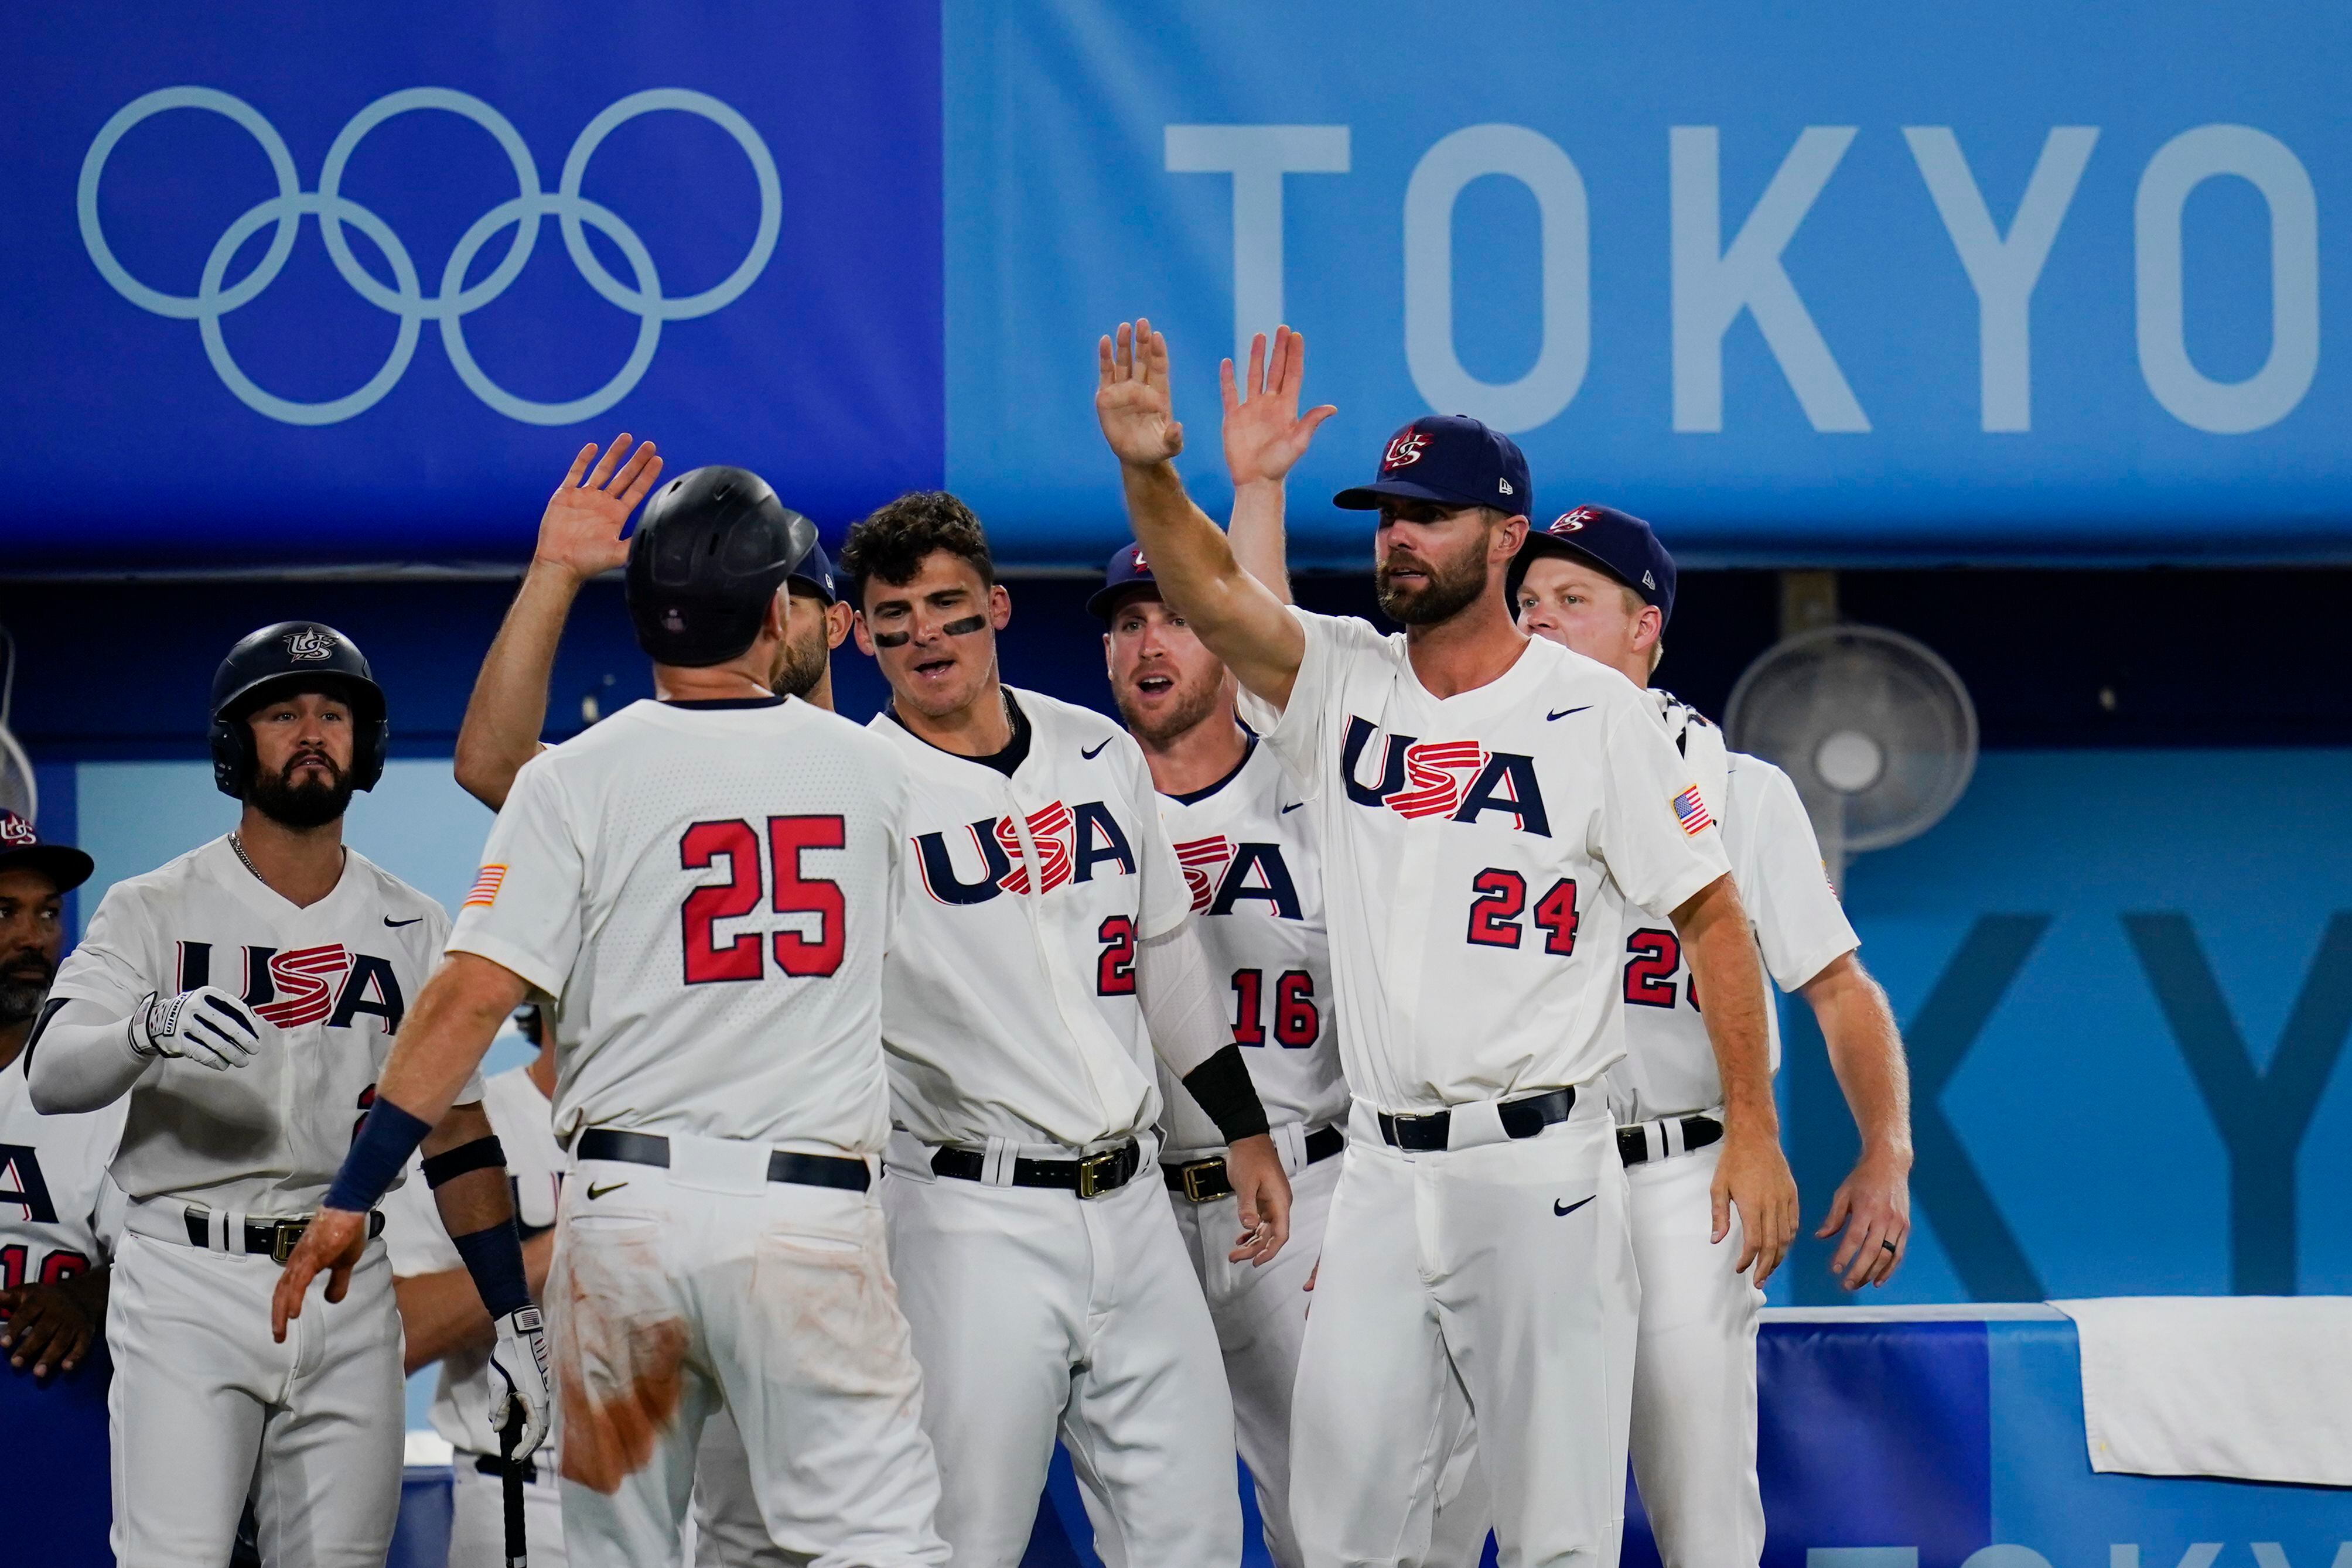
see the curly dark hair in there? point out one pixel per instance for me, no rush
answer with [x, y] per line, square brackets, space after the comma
[892, 543]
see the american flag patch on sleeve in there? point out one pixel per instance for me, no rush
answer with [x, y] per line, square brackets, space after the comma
[486, 887]
[1687, 806]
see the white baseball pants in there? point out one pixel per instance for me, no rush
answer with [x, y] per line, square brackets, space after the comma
[673, 1288]
[1693, 1423]
[1505, 1269]
[1260, 1316]
[1035, 1312]
[478, 1516]
[725, 1531]
[205, 1407]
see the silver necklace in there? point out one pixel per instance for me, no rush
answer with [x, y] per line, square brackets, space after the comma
[239, 845]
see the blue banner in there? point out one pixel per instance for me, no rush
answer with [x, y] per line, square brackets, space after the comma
[2017, 280]
[286, 285]
[2008, 282]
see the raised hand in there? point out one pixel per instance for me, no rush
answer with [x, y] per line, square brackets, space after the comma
[1131, 400]
[1265, 433]
[580, 532]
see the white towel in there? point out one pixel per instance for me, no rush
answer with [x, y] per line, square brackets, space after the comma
[2253, 1388]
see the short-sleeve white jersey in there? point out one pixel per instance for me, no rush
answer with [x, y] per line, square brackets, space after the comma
[59, 1214]
[704, 890]
[1253, 863]
[1480, 853]
[331, 983]
[418, 1243]
[1010, 1008]
[1776, 862]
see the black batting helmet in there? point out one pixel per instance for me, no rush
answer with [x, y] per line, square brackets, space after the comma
[292, 657]
[713, 546]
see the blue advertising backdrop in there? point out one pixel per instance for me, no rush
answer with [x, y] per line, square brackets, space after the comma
[2019, 281]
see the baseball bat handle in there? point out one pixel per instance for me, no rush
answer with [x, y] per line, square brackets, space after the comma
[510, 1483]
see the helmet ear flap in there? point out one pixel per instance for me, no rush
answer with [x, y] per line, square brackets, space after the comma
[369, 741]
[232, 757]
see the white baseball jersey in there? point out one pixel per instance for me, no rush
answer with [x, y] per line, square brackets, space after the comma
[331, 983]
[704, 889]
[1669, 1066]
[419, 1243]
[1480, 853]
[1254, 865]
[1010, 1009]
[60, 1215]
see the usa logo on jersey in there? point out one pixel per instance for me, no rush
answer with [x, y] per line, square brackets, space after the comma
[307, 984]
[1459, 780]
[1223, 873]
[1072, 843]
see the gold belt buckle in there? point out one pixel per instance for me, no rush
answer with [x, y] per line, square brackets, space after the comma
[284, 1236]
[1196, 1176]
[1091, 1169]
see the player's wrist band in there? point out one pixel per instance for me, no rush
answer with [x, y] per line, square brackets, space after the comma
[450, 1163]
[1222, 1085]
[379, 1152]
[493, 1256]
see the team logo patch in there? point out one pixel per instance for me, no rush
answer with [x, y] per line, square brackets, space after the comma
[310, 643]
[1071, 842]
[1572, 522]
[486, 887]
[1404, 451]
[1692, 812]
[14, 831]
[1457, 780]
[1049, 829]
[1204, 862]
[1135, 559]
[300, 979]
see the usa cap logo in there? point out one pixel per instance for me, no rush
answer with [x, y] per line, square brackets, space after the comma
[14, 831]
[1571, 522]
[310, 643]
[1404, 451]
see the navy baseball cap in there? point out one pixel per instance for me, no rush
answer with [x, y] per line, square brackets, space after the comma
[1127, 569]
[1453, 460]
[1617, 543]
[20, 846]
[815, 570]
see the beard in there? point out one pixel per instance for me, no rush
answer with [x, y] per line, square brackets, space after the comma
[301, 806]
[1192, 705]
[24, 986]
[803, 664]
[1451, 586]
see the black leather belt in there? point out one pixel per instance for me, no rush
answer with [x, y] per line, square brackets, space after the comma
[1698, 1131]
[1090, 1176]
[1199, 1181]
[653, 1149]
[1521, 1119]
[277, 1239]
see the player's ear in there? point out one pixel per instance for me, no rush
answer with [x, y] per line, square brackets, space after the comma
[999, 607]
[1510, 536]
[780, 612]
[863, 633]
[837, 617]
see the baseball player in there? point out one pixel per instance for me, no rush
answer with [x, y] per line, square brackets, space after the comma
[244, 998]
[702, 883]
[1044, 950]
[1252, 859]
[1490, 807]
[579, 537]
[59, 1217]
[1599, 581]
[443, 1320]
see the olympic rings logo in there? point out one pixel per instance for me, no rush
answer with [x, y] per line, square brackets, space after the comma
[217, 296]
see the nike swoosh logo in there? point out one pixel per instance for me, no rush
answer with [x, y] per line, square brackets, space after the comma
[1556, 1208]
[396, 925]
[598, 1189]
[1292, 807]
[1563, 713]
[1090, 755]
